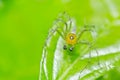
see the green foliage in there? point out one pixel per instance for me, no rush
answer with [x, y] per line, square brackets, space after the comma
[82, 63]
[24, 25]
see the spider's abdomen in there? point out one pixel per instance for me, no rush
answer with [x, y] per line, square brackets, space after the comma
[71, 39]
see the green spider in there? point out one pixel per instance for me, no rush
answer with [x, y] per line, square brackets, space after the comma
[70, 36]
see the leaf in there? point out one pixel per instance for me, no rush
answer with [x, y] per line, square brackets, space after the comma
[83, 63]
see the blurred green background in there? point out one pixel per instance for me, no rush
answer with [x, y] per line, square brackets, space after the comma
[24, 25]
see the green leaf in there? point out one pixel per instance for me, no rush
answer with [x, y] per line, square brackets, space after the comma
[83, 63]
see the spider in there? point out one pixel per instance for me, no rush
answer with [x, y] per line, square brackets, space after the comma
[70, 36]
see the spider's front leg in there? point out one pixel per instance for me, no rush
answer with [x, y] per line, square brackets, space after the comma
[65, 25]
[86, 28]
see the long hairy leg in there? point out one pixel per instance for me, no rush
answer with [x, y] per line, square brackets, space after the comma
[65, 19]
[91, 45]
[86, 28]
[89, 49]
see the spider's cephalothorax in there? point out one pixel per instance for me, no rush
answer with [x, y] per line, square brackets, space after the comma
[71, 39]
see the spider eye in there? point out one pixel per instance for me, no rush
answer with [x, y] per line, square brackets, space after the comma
[71, 48]
[64, 47]
[71, 37]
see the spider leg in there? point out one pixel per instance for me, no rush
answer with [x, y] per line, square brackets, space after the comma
[83, 69]
[70, 23]
[96, 51]
[66, 20]
[87, 28]
[66, 25]
[89, 47]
